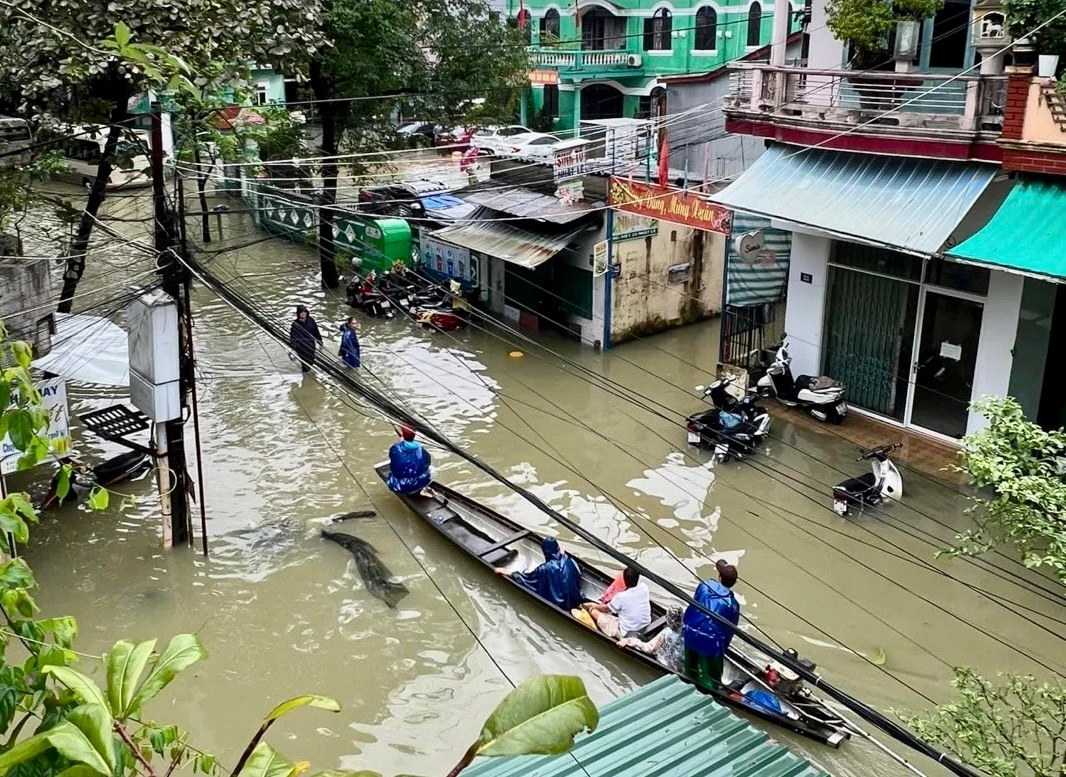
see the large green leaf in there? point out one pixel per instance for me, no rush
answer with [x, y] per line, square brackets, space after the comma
[540, 717]
[95, 723]
[78, 771]
[83, 686]
[183, 651]
[76, 746]
[16, 574]
[265, 761]
[125, 665]
[322, 702]
[25, 750]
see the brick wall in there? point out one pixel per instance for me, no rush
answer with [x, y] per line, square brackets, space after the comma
[1017, 98]
[1044, 162]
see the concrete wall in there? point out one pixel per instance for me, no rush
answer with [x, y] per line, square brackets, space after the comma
[579, 254]
[805, 313]
[644, 300]
[27, 302]
[995, 350]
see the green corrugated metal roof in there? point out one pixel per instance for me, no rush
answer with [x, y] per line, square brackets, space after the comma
[1027, 233]
[666, 729]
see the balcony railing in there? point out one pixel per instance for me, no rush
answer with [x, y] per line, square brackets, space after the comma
[910, 103]
[584, 59]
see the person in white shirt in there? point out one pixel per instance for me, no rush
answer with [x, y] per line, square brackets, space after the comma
[629, 611]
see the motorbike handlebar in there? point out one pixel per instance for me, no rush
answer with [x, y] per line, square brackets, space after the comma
[880, 450]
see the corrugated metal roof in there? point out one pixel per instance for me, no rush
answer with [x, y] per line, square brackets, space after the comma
[908, 204]
[1027, 233]
[446, 207]
[666, 729]
[526, 203]
[506, 241]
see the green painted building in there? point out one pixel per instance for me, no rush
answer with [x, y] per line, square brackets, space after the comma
[600, 59]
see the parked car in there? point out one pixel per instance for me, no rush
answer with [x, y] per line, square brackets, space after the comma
[535, 146]
[396, 200]
[418, 133]
[455, 139]
[494, 140]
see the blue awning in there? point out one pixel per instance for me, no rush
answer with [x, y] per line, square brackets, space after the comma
[911, 205]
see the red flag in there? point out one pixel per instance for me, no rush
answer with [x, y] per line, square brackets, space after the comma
[523, 17]
[664, 161]
[577, 14]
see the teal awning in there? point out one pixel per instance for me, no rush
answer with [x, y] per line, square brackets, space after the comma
[911, 205]
[1027, 234]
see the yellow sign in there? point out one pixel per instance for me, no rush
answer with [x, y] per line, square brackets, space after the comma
[599, 258]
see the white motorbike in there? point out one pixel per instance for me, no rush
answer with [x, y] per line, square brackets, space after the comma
[820, 396]
[881, 483]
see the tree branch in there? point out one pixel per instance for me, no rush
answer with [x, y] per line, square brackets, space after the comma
[136, 750]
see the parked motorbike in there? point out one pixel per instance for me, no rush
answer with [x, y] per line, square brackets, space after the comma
[362, 295]
[733, 427]
[83, 479]
[820, 396]
[881, 483]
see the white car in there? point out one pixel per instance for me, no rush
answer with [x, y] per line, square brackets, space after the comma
[537, 146]
[496, 140]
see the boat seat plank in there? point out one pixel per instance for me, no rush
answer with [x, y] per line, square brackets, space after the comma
[476, 543]
[521, 535]
[652, 628]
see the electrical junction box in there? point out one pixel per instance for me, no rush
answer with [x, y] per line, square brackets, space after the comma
[155, 387]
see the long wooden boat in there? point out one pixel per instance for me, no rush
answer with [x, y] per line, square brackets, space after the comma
[497, 542]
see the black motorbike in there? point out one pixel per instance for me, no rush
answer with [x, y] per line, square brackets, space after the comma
[374, 303]
[83, 479]
[733, 427]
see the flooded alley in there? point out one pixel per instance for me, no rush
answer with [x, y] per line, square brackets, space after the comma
[283, 612]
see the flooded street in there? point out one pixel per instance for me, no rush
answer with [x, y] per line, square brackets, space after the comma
[283, 612]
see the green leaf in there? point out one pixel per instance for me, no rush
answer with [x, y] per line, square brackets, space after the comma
[25, 750]
[23, 353]
[20, 427]
[540, 717]
[183, 651]
[5, 395]
[125, 665]
[72, 742]
[87, 690]
[95, 723]
[64, 629]
[322, 702]
[17, 601]
[78, 771]
[16, 574]
[879, 658]
[265, 761]
[63, 483]
[122, 34]
[99, 498]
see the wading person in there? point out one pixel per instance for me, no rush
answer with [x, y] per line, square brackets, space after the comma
[409, 471]
[304, 337]
[350, 343]
[706, 640]
[629, 611]
[558, 579]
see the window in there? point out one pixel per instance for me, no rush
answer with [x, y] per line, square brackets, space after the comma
[657, 31]
[551, 100]
[549, 26]
[755, 25]
[260, 94]
[706, 29]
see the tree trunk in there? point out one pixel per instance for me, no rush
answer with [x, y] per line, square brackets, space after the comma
[327, 249]
[201, 187]
[80, 245]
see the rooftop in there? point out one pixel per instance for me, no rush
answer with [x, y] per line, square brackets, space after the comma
[665, 729]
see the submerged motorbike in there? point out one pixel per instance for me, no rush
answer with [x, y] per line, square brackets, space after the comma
[732, 427]
[820, 396]
[363, 295]
[881, 483]
[83, 479]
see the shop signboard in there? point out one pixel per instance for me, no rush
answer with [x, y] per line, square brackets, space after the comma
[599, 259]
[54, 400]
[668, 204]
[630, 226]
[445, 259]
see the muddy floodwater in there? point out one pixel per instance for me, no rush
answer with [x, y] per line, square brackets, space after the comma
[283, 612]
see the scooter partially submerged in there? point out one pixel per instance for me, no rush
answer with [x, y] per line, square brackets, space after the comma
[365, 296]
[820, 396]
[83, 479]
[733, 427]
[881, 483]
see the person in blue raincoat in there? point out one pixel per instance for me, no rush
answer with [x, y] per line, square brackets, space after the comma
[558, 579]
[350, 343]
[409, 471]
[706, 640]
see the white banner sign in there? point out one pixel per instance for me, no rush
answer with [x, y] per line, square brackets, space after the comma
[54, 400]
[449, 260]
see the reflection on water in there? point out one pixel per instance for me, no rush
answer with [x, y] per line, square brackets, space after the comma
[284, 612]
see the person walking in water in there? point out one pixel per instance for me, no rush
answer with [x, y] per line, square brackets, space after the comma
[409, 471]
[304, 337]
[350, 343]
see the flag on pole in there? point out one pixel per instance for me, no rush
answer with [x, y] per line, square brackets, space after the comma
[664, 161]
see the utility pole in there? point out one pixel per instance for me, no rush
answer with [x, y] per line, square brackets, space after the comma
[170, 435]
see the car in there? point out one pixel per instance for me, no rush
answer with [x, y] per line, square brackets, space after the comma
[536, 146]
[397, 200]
[455, 139]
[417, 133]
[494, 140]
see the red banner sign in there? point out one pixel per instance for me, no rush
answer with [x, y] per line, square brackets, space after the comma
[543, 76]
[658, 202]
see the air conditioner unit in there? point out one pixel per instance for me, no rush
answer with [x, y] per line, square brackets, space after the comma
[634, 60]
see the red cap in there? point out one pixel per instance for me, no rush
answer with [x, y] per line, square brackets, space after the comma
[407, 433]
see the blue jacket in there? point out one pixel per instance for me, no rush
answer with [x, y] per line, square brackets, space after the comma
[408, 467]
[350, 348]
[703, 634]
[558, 579]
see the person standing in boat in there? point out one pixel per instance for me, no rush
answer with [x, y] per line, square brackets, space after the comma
[304, 337]
[706, 639]
[409, 471]
[350, 351]
[558, 579]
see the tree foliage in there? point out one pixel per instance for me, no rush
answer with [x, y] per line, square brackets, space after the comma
[867, 24]
[1020, 471]
[17, 186]
[1012, 727]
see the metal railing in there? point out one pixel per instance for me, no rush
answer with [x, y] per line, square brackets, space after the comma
[971, 103]
[579, 59]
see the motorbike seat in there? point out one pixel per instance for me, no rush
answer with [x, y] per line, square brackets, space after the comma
[858, 486]
[816, 383]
